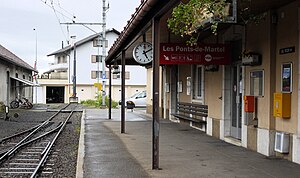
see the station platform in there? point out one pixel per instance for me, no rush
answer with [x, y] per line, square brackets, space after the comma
[183, 151]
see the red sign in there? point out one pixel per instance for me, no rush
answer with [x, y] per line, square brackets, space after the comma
[208, 54]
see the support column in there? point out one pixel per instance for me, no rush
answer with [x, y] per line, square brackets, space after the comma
[155, 94]
[109, 93]
[123, 93]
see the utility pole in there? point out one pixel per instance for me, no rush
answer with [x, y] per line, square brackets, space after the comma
[103, 51]
[74, 70]
[102, 40]
[73, 98]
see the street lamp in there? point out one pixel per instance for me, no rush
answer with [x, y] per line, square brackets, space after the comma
[35, 65]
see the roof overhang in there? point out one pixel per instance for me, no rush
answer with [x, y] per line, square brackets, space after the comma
[26, 82]
[140, 21]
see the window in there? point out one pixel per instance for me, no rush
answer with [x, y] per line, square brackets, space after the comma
[118, 76]
[257, 83]
[96, 58]
[197, 80]
[94, 74]
[64, 59]
[58, 60]
[98, 42]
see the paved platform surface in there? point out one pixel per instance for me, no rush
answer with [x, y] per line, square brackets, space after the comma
[184, 152]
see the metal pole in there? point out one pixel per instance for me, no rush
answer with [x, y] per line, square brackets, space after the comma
[74, 70]
[109, 94]
[7, 99]
[35, 64]
[123, 93]
[103, 51]
[155, 94]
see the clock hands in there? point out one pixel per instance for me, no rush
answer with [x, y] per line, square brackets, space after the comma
[145, 53]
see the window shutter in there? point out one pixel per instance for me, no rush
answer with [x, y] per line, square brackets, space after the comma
[93, 74]
[93, 58]
[96, 58]
[97, 42]
[107, 74]
[127, 75]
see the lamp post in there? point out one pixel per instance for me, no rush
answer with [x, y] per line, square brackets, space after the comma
[35, 65]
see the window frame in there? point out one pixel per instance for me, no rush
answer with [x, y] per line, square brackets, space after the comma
[251, 83]
[196, 96]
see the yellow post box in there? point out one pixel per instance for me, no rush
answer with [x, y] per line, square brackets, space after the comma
[282, 105]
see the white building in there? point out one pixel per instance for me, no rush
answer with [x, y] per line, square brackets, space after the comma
[56, 84]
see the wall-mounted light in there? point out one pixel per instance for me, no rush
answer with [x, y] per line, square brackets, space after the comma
[116, 68]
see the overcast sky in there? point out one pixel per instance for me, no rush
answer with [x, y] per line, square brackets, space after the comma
[18, 18]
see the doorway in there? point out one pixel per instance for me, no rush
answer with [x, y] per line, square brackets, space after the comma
[55, 94]
[236, 100]
[236, 92]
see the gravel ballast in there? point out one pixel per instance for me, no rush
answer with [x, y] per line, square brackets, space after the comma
[66, 147]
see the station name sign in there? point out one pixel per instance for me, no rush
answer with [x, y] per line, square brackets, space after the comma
[204, 54]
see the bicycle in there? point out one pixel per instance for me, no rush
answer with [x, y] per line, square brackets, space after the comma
[25, 103]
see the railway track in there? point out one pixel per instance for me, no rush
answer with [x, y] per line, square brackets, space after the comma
[26, 154]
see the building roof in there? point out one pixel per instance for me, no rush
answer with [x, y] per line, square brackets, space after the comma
[10, 57]
[83, 41]
[149, 9]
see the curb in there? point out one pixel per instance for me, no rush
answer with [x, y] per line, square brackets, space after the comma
[80, 155]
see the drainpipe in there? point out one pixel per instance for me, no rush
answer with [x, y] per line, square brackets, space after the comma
[8, 86]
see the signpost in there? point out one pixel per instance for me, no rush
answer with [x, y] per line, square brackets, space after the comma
[208, 54]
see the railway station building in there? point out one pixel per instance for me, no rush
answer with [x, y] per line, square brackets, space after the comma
[246, 77]
[16, 77]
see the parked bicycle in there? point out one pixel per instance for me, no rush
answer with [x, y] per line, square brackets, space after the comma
[22, 103]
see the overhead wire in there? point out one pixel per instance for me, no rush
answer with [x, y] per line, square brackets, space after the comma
[63, 15]
[58, 4]
[59, 22]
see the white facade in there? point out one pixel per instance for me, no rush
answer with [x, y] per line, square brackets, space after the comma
[87, 72]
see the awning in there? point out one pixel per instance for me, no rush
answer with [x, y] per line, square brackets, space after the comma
[26, 82]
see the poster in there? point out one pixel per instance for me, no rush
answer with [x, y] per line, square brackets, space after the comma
[286, 77]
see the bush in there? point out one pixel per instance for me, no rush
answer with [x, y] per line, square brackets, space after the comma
[98, 102]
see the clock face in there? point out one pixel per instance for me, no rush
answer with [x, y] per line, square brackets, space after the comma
[143, 53]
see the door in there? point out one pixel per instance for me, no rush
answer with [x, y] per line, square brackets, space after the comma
[55, 94]
[236, 100]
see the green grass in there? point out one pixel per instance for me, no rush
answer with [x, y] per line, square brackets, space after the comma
[97, 102]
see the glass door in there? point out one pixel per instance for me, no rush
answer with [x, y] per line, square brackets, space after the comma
[236, 100]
